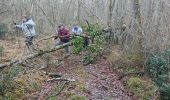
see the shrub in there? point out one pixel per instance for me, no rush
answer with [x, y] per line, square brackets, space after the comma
[165, 92]
[158, 69]
[77, 44]
[93, 50]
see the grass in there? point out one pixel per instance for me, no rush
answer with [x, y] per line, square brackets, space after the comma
[144, 89]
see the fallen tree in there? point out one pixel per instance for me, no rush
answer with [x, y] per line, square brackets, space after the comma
[32, 56]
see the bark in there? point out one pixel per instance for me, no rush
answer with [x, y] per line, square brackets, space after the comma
[109, 21]
[138, 25]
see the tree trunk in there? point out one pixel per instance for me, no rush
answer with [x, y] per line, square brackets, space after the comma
[79, 12]
[138, 26]
[109, 21]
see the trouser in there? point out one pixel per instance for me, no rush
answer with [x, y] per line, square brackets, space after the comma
[29, 40]
[86, 42]
[60, 43]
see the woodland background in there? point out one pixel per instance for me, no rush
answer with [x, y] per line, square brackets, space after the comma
[143, 45]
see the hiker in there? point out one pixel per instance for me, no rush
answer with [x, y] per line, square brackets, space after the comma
[28, 27]
[78, 31]
[64, 36]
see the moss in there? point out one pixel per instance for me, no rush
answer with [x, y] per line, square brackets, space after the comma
[78, 98]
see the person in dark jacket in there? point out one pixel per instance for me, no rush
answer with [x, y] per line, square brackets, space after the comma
[64, 36]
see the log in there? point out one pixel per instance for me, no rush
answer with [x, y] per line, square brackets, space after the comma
[32, 56]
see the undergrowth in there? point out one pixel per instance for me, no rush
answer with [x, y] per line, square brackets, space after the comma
[95, 48]
[7, 81]
[130, 71]
[158, 69]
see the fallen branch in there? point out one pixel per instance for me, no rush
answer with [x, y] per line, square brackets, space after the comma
[61, 79]
[133, 73]
[34, 55]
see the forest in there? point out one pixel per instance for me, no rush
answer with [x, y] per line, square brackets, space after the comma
[84, 50]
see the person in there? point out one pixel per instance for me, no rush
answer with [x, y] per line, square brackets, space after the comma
[64, 36]
[78, 31]
[28, 27]
[86, 39]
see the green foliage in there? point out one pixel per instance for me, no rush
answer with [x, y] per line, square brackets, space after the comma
[92, 51]
[95, 32]
[1, 50]
[165, 92]
[3, 30]
[78, 43]
[158, 68]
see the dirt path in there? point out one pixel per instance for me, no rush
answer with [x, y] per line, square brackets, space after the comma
[93, 82]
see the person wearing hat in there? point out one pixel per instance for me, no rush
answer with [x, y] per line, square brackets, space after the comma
[78, 32]
[28, 27]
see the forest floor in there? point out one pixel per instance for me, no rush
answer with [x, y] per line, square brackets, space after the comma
[93, 82]
[98, 81]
